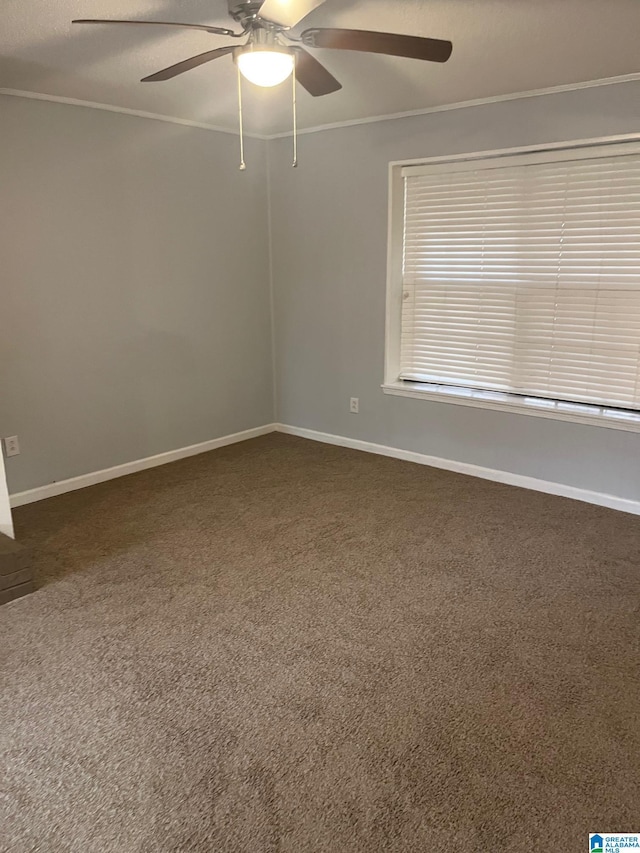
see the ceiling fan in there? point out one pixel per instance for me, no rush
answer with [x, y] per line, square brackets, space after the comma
[270, 53]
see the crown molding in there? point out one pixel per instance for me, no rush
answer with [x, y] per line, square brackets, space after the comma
[459, 105]
[93, 105]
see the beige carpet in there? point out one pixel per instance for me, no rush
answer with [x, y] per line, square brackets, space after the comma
[284, 646]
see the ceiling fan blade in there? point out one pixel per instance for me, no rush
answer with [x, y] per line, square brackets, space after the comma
[413, 47]
[187, 65]
[287, 13]
[219, 31]
[313, 75]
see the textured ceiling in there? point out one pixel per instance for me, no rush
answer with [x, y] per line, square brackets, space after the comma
[500, 47]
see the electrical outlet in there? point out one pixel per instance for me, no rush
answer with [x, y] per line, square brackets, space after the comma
[354, 405]
[11, 445]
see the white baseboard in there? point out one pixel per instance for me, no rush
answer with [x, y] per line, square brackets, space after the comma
[598, 498]
[63, 486]
[560, 489]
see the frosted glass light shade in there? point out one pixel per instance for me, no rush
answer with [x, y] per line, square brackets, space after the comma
[265, 67]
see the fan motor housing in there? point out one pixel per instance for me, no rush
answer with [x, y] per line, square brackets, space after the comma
[244, 11]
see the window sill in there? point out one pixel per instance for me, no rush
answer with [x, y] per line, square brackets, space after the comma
[501, 402]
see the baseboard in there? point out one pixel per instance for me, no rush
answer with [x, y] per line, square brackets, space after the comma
[63, 486]
[506, 477]
[550, 488]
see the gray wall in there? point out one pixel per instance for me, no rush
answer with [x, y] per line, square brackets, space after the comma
[329, 251]
[134, 296]
[134, 311]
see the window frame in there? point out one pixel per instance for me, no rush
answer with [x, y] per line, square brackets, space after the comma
[596, 415]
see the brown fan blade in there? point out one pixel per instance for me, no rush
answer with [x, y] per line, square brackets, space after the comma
[219, 31]
[287, 13]
[187, 64]
[413, 47]
[313, 75]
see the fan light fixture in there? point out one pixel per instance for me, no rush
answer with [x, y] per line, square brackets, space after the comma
[265, 67]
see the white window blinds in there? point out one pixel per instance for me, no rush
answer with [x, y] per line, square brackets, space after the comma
[522, 274]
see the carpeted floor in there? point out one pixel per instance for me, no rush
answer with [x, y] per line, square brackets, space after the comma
[285, 646]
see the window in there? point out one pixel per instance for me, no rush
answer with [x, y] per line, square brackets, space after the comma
[515, 282]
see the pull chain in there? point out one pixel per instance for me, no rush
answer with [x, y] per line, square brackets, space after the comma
[243, 165]
[295, 114]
